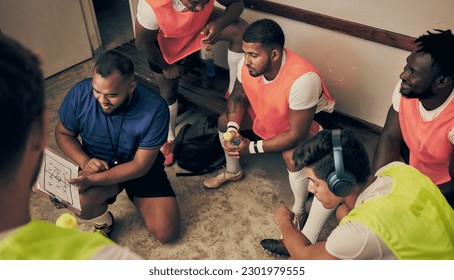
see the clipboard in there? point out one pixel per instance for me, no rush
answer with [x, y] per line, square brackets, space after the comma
[52, 181]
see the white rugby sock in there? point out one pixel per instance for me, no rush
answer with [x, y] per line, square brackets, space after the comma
[105, 218]
[318, 215]
[232, 165]
[233, 59]
[173, 119]
[298, 183]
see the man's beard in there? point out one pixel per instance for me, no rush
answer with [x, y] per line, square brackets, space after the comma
[117, 110]
[263, 71]
[426, 94]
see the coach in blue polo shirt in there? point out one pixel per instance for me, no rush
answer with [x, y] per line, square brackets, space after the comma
[121, 125]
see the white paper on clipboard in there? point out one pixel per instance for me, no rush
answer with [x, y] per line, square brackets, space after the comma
[54, 172]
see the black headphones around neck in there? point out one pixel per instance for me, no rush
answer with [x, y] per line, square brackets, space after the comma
[340, 182]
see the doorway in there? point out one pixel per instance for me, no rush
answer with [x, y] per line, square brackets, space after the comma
[114, 22]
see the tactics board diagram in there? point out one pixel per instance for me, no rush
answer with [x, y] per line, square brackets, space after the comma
[53, 176]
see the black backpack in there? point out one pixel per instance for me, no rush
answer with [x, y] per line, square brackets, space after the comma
[197, 148]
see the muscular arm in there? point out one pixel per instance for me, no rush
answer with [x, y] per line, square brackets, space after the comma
[237, 104]
[448, 187]
[450, 184]
[139, 166]
[388, 147]
[232, 12]
[299, 124]
[303, 98]
[451, 168]
[70, 145]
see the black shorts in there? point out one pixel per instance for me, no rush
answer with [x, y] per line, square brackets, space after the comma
[184, 62]
[152, 184]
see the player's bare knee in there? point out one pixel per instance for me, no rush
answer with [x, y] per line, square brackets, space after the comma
[241, 26]
[166, 235]
[287, 156]
[169, 95]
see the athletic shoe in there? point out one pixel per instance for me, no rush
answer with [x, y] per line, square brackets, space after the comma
[105, 229]
[221, 178]
[275, 246]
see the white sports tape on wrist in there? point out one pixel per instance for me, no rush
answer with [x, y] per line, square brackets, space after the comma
[251, 147]
[233, 126]
[260, 146]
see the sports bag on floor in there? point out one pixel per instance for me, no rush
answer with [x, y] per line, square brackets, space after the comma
[197, 148]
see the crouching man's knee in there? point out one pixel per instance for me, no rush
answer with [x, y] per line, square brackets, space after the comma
[167, 234]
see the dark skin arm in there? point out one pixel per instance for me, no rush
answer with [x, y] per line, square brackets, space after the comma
[237, 103]
[142, 162]
[69, 144]
[236, 108]
[299, 125]
[449, 186]
[232, 12]
[95, 172]
[388, 147]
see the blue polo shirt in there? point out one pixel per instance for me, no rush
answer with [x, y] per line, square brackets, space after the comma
[145, 124]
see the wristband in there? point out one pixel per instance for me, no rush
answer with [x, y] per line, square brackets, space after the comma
[260, 146]
[256, 149]
[251, 147]
[233, 126]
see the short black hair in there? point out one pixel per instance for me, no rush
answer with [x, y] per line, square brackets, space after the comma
[317, 153]
[21, 101]
[440, 45]
[111, 61]
[266, 32]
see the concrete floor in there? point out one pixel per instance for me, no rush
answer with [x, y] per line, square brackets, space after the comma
[223, 224]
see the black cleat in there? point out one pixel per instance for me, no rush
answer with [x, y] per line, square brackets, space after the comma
[275, 246]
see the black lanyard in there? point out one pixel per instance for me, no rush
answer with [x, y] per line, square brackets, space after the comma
[115, 147]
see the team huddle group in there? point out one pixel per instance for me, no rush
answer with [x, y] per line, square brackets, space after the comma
[121, 135]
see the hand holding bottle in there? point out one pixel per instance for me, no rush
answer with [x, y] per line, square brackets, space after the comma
[232, 138]
[234, 144]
